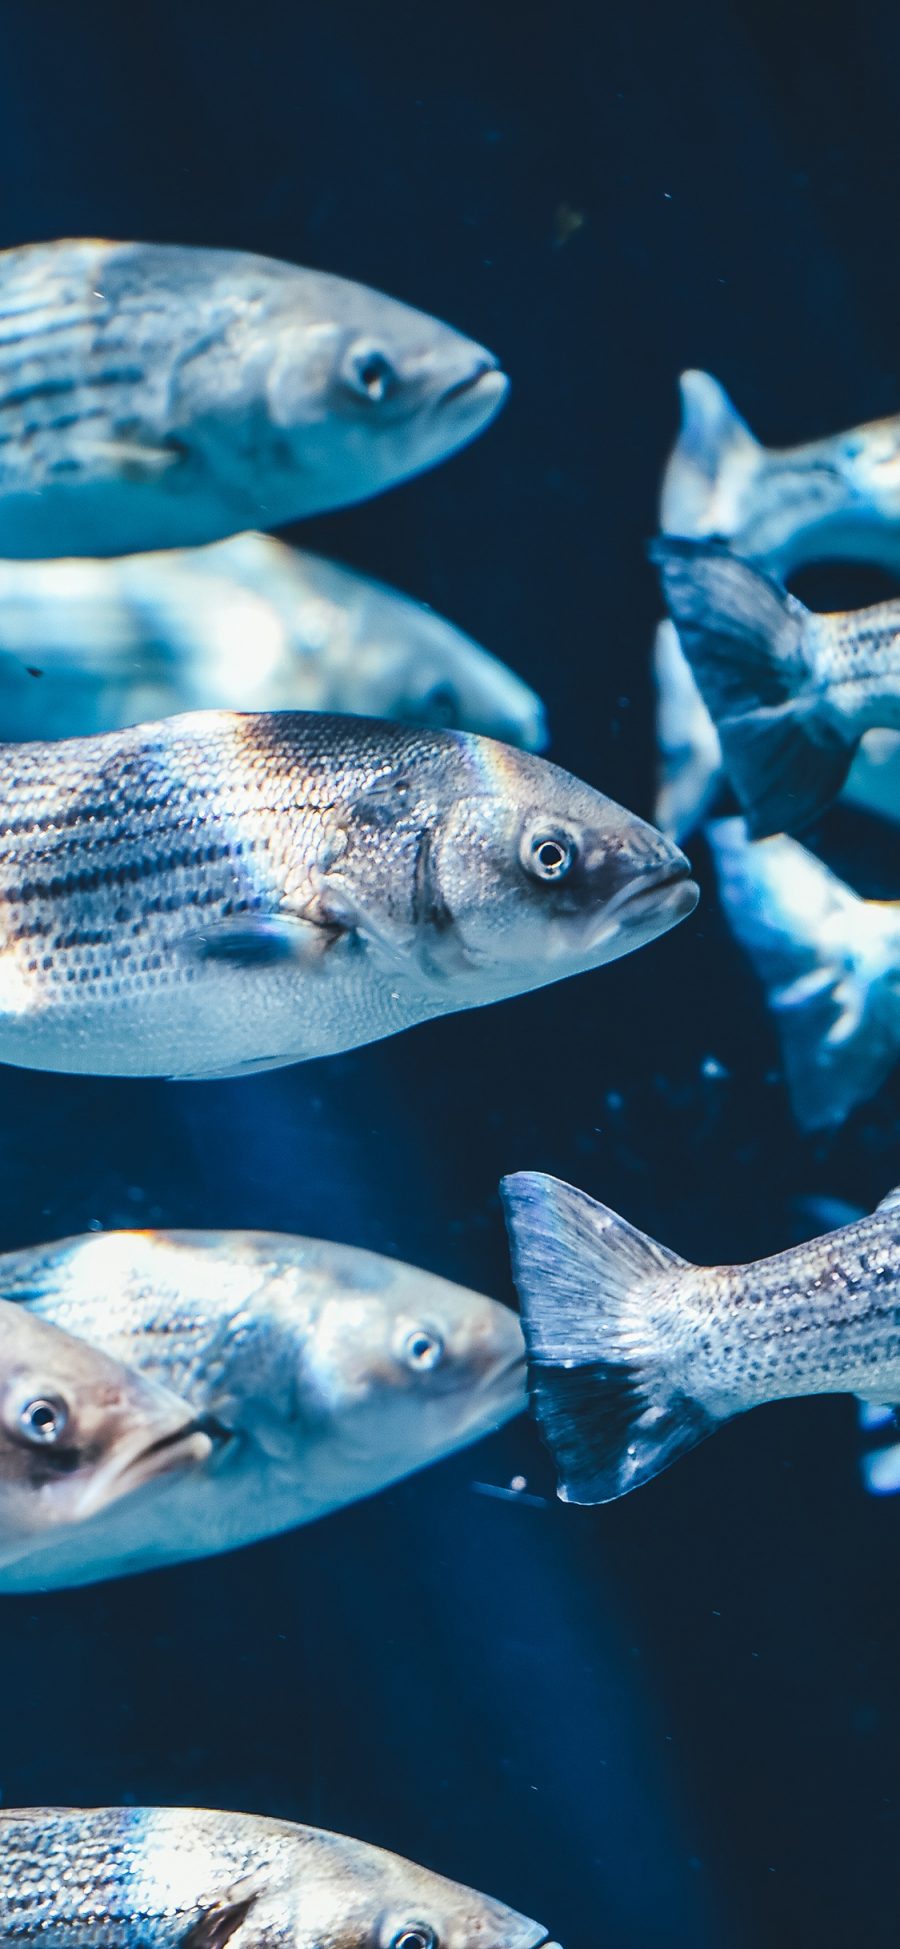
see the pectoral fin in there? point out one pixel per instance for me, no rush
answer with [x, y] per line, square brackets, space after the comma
[217, 1925]
[125, 459]
[262, 941]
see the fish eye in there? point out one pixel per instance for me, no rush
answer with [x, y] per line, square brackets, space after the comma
[422, 1349]
[442, 705]
[550, 855]
[415, 1935]
[370, 373]
[44, 1420]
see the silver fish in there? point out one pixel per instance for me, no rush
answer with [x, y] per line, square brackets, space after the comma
[791, 692]
[787, 506]
[635, 1354]
[246, 624]
[219, 893]
[691, 773]
[829, 963]
[186, 1878]
[322, 1372]
[80, 1434]
[156, 396]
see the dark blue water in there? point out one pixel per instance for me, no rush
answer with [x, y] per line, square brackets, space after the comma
[675, 1721]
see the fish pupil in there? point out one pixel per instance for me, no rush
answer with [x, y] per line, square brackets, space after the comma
[42, 1421]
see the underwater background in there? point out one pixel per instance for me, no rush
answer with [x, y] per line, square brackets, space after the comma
[676, 1720]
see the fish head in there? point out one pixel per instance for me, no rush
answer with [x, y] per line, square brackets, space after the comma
[531, 875]
[449, 682]
[370, 391]
[79, 1431]
[401, 1367]
[350, 1895]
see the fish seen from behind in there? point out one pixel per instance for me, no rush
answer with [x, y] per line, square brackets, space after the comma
[635, 1354]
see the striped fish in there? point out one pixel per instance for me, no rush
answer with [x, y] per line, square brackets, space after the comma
[156, 396]
[218, 893]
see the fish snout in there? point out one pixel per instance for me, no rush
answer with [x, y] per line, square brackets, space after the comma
[187, 1445]
[475, 392]
[649, 888]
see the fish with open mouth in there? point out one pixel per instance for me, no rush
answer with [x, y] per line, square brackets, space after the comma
[217, 893]
[635, 1355]
[160, 396]
[80, 1434]
[245, 624]
[189, 1878]
[781, 506]
[322, 1373]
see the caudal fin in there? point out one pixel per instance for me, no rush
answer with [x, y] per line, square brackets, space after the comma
[610, 1410]
[827, 961]
[750, 646]
[711, 464]
[690, 756]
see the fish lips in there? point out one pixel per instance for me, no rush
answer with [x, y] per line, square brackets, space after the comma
[649, 905]
[475, 397]
[137, 1464]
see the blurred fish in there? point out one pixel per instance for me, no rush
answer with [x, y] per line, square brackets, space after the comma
[325, 1371]
[690, 775]
[791, 693]
[79, 1434]
[94, 645]
[830, 965]
[155, 396]
[186, 1878]
[219, 893]
[781, 506]
[690, 771]
[635, 1354]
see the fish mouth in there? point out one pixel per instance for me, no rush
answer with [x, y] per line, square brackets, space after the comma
[185, 1447]
[481, 390]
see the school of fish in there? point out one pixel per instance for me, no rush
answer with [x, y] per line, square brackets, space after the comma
[255, 809]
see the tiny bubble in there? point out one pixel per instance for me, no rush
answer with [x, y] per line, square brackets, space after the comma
[713, 1068]
[519, 1482]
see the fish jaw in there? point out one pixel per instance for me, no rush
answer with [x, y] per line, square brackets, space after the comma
[183, 1448]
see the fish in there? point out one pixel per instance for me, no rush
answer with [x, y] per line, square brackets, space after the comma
[91, 645]
[163, 396]
[690, 772]
[829, 963]
[218, 893]
[636, 1355]
[326, 1372]
[790, 692]
[782, 507]
[80, 1434]
[191, 1878]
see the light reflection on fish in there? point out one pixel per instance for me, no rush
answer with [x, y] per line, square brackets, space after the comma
[80, 1434]
[188, 1878]
[829, 962]
[782, 507]
[218, 893]
[159, 396]
[321, 1371]
[246, 624]
[635, 1355]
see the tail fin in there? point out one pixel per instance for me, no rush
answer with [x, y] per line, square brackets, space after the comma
[750, 646]
[690, 757]
[825, 958]
[609, 1410]
[711, 464]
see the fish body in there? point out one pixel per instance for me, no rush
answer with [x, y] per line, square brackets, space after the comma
[791, 692]
[781, 507]
[829, 962]
[324, 1372]
[80, 1434]
[691, 773]
[110, 1878]
[635, 1354]
[159, 396]
[246, 624]
[217, 893]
